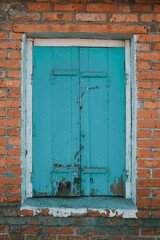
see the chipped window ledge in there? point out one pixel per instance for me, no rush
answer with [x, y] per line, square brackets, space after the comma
[82, 206]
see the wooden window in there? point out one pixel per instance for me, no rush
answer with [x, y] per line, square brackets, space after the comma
[80, 123]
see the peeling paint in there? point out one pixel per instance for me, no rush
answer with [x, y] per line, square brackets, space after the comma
[118, 188]
[67, 212]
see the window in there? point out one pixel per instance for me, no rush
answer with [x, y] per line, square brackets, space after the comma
[78, 118]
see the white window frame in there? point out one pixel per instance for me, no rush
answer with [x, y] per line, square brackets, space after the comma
[28, 115]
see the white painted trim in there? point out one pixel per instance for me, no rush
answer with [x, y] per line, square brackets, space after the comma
[29, 119]
[128, 118]
[56, 42]
[76, 42]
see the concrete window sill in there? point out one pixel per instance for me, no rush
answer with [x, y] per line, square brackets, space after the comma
[82, 206]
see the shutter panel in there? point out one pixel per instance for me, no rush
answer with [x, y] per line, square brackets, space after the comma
[42, 122]
[94, 124]
[66, 122]
[102, 121]
[116, 58]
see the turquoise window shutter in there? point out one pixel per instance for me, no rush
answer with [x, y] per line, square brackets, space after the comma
[78, 121]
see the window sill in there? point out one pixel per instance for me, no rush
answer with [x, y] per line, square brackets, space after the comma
[83, 206]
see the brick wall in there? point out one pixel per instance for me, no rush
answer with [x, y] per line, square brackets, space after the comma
[139, 17]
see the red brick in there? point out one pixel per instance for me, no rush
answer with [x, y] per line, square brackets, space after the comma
[11, 181]
[3, 36]
[92, 213]
[101, 8]
[10, 64]
[10, 122]
[156, 47]
[156, 66]
[107, 28]
[13, 132]
[143, 134]
[156, 154]
[148, 123]
[14, 113]
[157, 8]
[10, 45]
[143, 153]
[14, 152]
[2, 113]
[15, 55]
[4, 229]
[124, 8]
[151, 104]
[57, 17]
[148, 163]
[6, 26]
[157, 214]
[144, 84]
[148, 143]
[26, 17]
[147, 18]
[147, 231]
[147, 94]
[10, 84]
[142, 213]
[69, 7]
[156, 192]
[10, 103]
[2, 132]
[2, 54]
[143, 192]
[148, 38]
[156, 85]
[14, 94]
[15, 170]
[156, 134]
[14, 74]
[92, 17]
[143, 173]
[156, 173]
[147, 114]
[2, 74]
[35, 7]
[148, 183]
[10, 161]
[63, 230]
[143, 65]
[3, 142]
[26, 212]
[2, 151]
[143, 202]
[14, 141]
[14, 190]
[16, 36]
[148, 75]
[2, 171]
[2, 93]
[6, 199]
[148, 56]
[2, 189]
[141, 8]
[155, 203]
[142, 47]
[123, 18]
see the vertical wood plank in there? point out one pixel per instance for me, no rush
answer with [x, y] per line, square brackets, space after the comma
[116, 58]
[42, 121]
[66, 122]
[94, 121]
